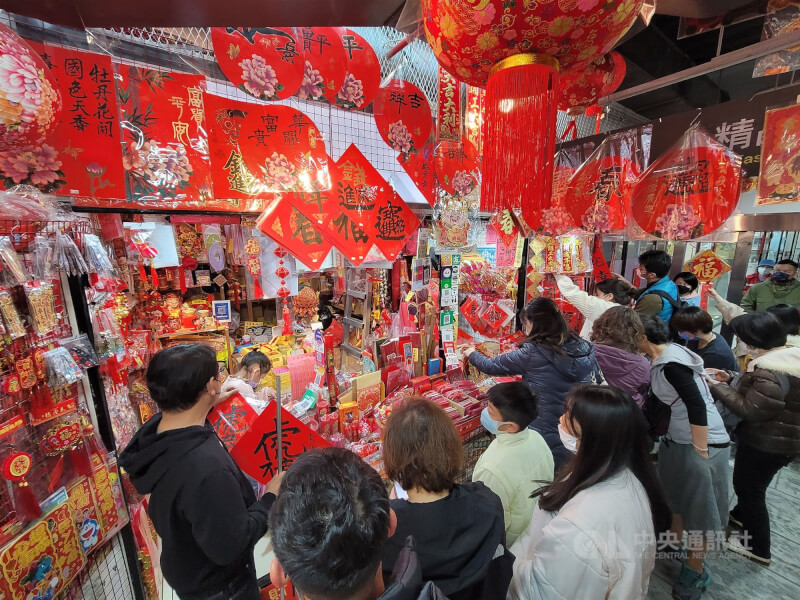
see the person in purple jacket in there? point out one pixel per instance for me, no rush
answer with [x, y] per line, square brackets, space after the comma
[551, 361]
[616, 336]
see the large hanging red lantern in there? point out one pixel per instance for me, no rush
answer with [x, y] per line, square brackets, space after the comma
[691, 190]
[581, 88]
[516, 49]
[29, 98]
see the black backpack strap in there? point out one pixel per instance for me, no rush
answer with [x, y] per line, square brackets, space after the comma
[665, 296]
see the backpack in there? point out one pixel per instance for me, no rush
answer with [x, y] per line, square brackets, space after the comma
[657, 413]
[677, 305]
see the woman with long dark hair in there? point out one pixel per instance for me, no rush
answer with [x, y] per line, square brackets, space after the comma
[593, 534]
[551, 360]
[607, 294]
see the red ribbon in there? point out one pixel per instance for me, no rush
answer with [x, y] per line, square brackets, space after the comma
[572, 128]
[154, 273]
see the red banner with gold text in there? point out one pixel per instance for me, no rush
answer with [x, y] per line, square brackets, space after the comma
[448, 126]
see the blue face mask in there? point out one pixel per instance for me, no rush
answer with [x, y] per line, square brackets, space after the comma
[490, 424]
[687, 337]
[780, 277]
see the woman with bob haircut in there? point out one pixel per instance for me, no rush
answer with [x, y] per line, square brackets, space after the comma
[551, 361]
[696, 326]
[767, 398]
[616, 336]
[458, 528]
[593, 534]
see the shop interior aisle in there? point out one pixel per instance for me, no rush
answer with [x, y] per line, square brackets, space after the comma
[733, 577]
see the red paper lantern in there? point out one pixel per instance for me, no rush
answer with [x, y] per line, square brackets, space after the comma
[691, 190]
[581, 88]
[265, 62]
[29, 98]
[283, 150]
[516, 49]
[403, 116]
[326, 63]
[363, 73]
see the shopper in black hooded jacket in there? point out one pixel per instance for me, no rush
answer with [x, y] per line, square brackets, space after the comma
[201, 504]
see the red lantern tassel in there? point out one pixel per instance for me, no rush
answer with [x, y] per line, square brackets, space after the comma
[287, 318]
[154, 273]
[55, 473]
[519, 144]
[595, 111]
[236, 294]
[257, 291]
[25, 503]
[142, 272]
[183, 280]
[80, 460]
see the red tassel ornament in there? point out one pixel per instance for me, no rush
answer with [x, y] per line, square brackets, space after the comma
[15, 468]
[519, 144]
[154, 273]
[81, 464]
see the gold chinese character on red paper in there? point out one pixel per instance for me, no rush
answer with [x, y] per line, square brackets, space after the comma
[707, 266]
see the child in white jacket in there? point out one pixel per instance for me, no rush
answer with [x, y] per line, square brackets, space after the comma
[593, 534]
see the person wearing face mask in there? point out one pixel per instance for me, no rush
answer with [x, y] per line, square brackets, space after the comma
[688, 288]
[551, 361]
[660, 297]
[762, 273]
[593, 534]
[201, 504]
[252, 369]
[781, 288]
[607, 294]
[517, 457]
[692, 456]
[695, 326]
[767, 398]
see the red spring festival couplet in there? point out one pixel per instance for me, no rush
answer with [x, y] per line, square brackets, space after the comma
[516, 49]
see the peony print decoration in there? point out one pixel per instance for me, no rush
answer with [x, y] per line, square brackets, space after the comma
[233, 181]
[363, 76]
[283, 149]
[29, 98]
[457, 167]
[403, 116]
[325, 64]
[83, 155]
[266, 62]
[691, 190]
[164, 140]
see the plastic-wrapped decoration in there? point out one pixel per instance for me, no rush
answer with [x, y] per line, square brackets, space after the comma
[42, 307]
[690, 191]
[67, 257]
[61, 368]
[13, 271]
[13, 323]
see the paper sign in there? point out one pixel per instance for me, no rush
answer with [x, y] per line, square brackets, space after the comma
[231, 419]
[222, 310]
[256, 452]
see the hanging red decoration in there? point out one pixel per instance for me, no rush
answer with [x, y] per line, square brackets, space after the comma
[403, 116]
[600, 192]
[265, 62]
[283, 149]
[232, 179]
[419, 167]
[473, 125]
[691, 190]
[503, 223]
[325, 63]
[600, 267]
[363, 76]
[15, 469]
[295, 231]
[449, 108]
[456, 167]
[29, 100]
[582, 88]
[283, 292]
[516, 49]
[252, 248]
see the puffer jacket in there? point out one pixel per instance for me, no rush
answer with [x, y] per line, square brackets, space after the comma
[768, 403]
[551, 373]
[624, 370]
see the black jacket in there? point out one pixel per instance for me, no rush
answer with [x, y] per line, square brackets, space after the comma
[406, 581]
[201, 505]
[460, 542]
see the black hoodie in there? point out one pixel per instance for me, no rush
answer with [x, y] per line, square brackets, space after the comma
[460, 542]
[201, 504]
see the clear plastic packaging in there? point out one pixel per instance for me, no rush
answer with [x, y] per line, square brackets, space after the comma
[61, 368]
[97, 258]
[13, 271]
[13, 323]
[67, 257]
[82, 351]
[42, 307]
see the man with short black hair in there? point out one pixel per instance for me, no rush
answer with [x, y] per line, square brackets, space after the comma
[661, 292]
[201, 504]
[518, 461]
[329, 525]
[781, 288]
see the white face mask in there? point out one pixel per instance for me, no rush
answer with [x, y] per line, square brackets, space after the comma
[570, 441]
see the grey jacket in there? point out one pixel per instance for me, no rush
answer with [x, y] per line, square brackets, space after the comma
[679, 429]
